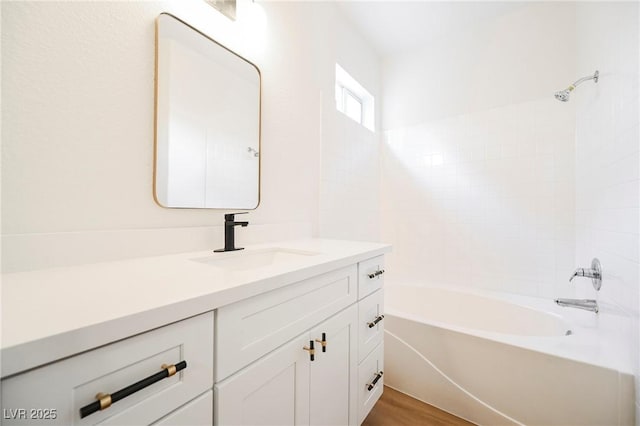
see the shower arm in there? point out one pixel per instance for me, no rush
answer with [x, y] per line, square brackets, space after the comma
[583, 79]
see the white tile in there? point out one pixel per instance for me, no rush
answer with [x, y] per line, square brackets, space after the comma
[497, 201]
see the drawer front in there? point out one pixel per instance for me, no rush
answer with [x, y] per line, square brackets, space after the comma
[370, 323]
[65, 386]
[370, 276]
[251, 328]
[368, 391]
[198, 412]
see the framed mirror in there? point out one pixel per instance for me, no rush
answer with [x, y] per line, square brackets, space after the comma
[207, 136]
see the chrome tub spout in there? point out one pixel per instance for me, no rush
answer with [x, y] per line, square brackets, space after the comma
[586, 304]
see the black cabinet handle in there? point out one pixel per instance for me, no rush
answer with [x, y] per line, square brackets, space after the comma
[375, 274]
[374, 381]
[375, 321]
[323, 342]
[311, 350]
[105, 400]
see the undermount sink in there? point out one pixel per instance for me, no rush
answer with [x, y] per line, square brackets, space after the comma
[253, 259]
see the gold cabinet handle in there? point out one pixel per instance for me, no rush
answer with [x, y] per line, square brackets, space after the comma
[104, 399]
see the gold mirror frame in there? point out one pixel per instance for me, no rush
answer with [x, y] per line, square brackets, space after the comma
[249, 149]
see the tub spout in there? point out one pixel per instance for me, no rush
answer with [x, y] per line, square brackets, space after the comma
[586, 304]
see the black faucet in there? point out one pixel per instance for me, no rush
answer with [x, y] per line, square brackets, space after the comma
[229, 236]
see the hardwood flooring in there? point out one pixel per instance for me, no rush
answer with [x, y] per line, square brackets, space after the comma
[397, 409]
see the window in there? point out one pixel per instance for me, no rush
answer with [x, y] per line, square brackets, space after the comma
[351, 105]
[353, 100]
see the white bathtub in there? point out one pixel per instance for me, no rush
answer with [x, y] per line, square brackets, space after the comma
[497, 359]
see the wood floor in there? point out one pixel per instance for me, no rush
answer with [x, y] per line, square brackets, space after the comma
[397, 409]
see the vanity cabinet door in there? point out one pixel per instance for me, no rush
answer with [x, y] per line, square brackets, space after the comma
[272, 391]
[334, 375]
[287, 388]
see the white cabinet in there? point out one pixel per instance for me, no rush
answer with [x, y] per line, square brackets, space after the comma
[370, 276]
[261, 380]
[371, 323]
[370, 381]
[253, 327]
[198, 412]
[286, 387]
[271, 391]
[370, 334]
[332, 387]
[253, 365]
[370, 352]
[59, 390]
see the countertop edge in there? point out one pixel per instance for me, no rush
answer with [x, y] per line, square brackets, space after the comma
[39, 352]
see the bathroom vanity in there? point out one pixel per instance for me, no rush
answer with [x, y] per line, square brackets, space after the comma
[279, 334]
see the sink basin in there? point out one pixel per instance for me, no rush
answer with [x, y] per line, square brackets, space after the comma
[254, 259]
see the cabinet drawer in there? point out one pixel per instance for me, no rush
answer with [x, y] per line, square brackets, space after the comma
[251, 328]
[198, 412]
[370, 276]
[368, 391]
[370, 323]
[66, 386]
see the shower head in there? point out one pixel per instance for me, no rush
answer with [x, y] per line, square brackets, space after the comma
[563, 95]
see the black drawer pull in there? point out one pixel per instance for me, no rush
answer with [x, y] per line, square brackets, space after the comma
[375, 274]
[105, 400]
[375, 321]
[374, 381]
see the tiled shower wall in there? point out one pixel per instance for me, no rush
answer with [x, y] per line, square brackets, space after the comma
[484, 199]
[608, 161]
[478, 175]
[349, 196]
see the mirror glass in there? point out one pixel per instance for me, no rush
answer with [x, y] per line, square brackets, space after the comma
[207, 152]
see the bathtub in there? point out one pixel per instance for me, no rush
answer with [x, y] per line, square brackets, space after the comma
[502, 360]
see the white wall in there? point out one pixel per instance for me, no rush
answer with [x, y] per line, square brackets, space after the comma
[519, 56]
[478, 161]
[77, 148]
[607, 159]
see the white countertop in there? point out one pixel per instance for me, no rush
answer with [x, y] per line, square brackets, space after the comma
[54, 313]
